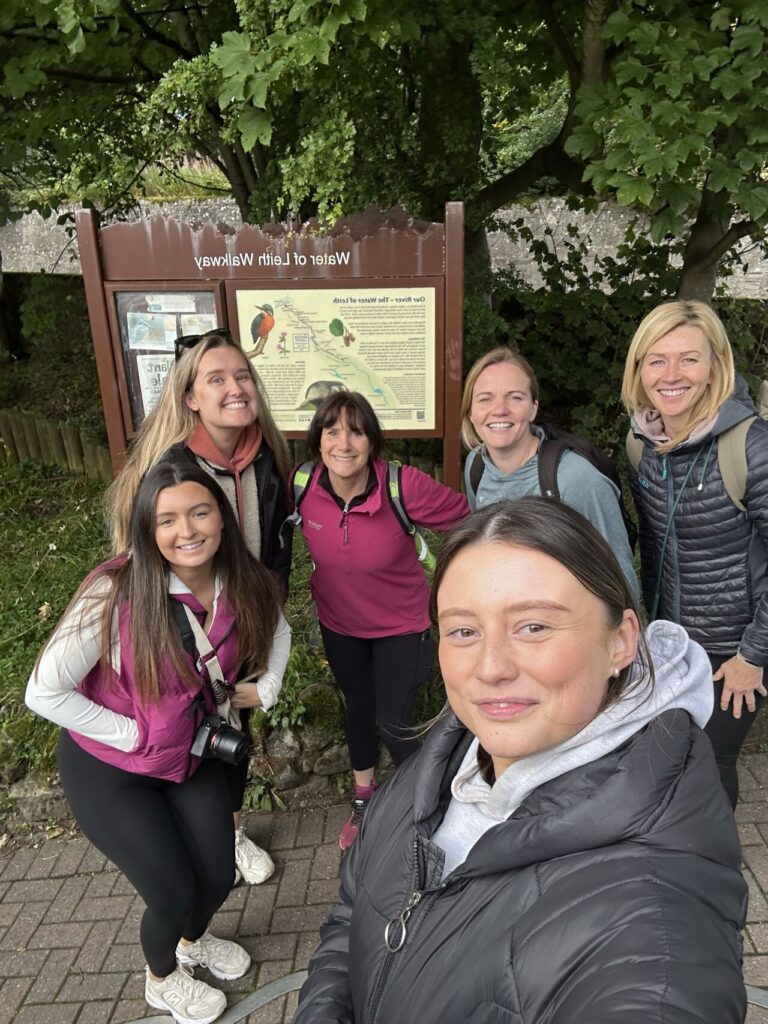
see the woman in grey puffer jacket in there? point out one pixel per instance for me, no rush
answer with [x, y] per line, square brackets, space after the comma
[559, 851]
[704, 559]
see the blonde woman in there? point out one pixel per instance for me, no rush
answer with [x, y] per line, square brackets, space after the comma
[704, 559]
[214, 412]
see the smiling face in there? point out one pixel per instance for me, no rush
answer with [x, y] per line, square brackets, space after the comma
[188, 527]
[346, 452]
[675, 373]
[223, 395]
[503, 409]
[526, 652]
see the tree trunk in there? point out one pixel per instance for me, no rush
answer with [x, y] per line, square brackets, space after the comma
[703, 250]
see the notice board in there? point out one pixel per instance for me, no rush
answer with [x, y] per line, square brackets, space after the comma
[372, 305]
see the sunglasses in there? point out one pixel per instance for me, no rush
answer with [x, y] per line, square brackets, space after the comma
[190, 340]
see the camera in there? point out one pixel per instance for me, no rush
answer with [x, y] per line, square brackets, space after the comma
[217, 739]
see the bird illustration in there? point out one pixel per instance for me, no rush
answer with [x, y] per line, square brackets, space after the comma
[261, 325]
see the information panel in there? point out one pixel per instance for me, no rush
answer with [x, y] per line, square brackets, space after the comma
[307, 343]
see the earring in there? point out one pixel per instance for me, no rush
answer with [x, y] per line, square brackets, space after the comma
[616, 673]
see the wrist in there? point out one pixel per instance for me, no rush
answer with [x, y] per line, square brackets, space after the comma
[742, 659]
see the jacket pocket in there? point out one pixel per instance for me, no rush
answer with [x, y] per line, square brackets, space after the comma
[492, 1013]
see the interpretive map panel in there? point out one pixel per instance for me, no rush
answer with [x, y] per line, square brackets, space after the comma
[306, 343]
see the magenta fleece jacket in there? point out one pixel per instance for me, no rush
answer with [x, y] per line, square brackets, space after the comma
[367, 580]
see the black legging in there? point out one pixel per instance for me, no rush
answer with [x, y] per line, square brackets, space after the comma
[173, 841]
[379, 678]
[727, 733]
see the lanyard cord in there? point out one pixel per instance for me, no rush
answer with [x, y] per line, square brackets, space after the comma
[670, 520]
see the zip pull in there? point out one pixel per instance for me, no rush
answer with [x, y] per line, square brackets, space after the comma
[345, 525]
[664, 467]
[395, 932]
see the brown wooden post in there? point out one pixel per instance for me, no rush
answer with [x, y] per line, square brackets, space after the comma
[454, 339]
[93, 281]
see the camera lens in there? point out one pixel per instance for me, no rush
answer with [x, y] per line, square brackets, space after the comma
[229, 745]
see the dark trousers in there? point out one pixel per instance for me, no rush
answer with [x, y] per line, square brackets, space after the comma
[379, 678]
[172, 840]
[727, 733]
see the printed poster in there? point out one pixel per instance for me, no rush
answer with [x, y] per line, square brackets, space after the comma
[307, 343]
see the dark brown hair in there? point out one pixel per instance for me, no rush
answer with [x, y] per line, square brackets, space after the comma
[360, 416]
[140, 579]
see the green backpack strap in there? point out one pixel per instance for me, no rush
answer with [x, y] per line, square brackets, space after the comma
[634, 448]
[299, 484]
[394, 493]
[762, 400]
[732, 461]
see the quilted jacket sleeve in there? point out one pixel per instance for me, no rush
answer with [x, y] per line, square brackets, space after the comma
[754, 643]
[326, 997]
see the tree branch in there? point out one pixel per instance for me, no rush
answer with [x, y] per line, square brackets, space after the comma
[152, 33]
[716, 252]
[562, 45]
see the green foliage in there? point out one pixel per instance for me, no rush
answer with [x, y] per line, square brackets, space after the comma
[51, 534]
[58, 380]
[681, 112]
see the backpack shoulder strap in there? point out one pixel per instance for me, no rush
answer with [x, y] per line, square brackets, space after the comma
[187, 636]
[634, 447]
[395, 495]
[762, 400]
[732, 461]
[299, 485]
[550, 452]
[475, 469]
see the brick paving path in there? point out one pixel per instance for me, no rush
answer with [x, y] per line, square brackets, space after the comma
[69, 951]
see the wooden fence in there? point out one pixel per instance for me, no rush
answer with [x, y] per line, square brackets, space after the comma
[24, 436]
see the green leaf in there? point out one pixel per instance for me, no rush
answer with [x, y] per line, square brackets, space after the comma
[255, 126]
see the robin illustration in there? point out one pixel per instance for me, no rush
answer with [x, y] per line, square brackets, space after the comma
[261, 325]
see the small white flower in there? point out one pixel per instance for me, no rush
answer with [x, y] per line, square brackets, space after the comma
[51, 547]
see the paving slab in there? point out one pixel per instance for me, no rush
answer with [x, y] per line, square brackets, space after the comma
[69, 947]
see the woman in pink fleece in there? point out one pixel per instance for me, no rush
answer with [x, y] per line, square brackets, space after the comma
[370, 590]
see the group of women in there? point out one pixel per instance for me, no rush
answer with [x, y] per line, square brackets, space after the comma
[560, 848]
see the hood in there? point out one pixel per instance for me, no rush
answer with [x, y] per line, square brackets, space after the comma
[600, 786]
[646, 425]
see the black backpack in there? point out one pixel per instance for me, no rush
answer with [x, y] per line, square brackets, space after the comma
[551, 449]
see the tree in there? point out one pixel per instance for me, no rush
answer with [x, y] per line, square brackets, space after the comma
[320, 107]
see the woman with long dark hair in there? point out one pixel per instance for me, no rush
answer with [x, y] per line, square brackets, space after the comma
[140, 674]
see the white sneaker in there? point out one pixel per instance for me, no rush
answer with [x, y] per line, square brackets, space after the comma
[223, 958]
[187, 1000]
[253, 863]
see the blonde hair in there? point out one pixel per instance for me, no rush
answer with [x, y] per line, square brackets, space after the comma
[502, 354]
[172, 422]
[660, 321]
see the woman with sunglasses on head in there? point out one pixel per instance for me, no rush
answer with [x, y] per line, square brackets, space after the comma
[143, 714]
[704, 558]
[560, 850]
[369, 588]
[213, 412]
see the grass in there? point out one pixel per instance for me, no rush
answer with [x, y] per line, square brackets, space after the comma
[51, 532]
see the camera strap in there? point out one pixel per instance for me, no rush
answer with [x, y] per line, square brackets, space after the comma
[209, 660]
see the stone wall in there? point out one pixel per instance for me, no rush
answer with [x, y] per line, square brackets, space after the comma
[33, 244]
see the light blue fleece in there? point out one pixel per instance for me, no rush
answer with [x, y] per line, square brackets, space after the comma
[580, 485]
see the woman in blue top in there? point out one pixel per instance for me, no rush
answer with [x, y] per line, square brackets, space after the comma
[498, 409]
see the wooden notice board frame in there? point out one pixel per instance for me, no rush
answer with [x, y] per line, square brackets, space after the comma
[147, 280]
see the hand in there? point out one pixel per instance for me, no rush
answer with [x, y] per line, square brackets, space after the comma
[246, 695]
[740, 681]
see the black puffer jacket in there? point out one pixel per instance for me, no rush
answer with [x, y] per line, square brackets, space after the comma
[611, 896]
[714, 580]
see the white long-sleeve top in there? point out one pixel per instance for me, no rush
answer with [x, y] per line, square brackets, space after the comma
[75, 649]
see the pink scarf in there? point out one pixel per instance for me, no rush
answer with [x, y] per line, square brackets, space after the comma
[246, 450]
